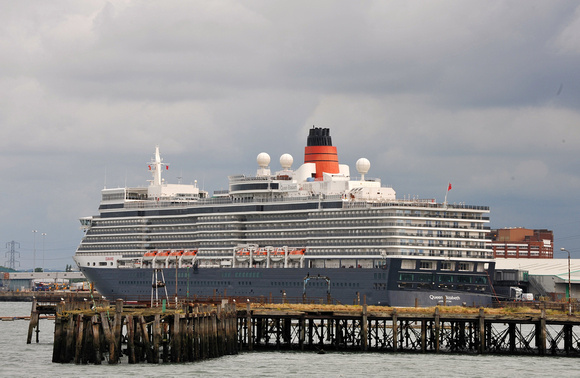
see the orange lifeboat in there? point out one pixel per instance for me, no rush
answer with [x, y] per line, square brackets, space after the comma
[163, 253]
[189, 253]
[174, 256]
[277, 254]
[296, 254]
[261, 254]
[243, 254]
[149, 255]
[162, 256]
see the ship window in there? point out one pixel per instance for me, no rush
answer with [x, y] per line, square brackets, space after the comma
[465, 266]
[408, 264]
[427, 265]
[480, 280]
[406, 277]
[445, 278]
[447, 265]
[424, 277]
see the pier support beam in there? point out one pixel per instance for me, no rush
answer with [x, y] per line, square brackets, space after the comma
[364, 330]
[437, 335]
[249, 327]
[481, 321]
[395, 330]
[541, 333]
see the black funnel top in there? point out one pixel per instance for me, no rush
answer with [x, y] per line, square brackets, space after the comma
[319, 137]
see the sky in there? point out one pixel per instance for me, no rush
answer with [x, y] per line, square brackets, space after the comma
[482, 94]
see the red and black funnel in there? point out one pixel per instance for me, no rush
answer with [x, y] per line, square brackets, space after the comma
[319, 150]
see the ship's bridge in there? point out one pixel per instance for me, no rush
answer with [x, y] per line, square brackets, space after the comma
[273, 185]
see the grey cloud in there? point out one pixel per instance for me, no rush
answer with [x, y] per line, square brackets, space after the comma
[484, 94]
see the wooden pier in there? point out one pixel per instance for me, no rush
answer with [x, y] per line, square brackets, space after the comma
[153, 335]
[408, 330]
[191, 332]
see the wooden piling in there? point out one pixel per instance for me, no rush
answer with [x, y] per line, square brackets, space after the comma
[131, 339]
[98, 355]
[87, 347]
[156, 338]
[138, 340]
[165, 336]
[364, 331]
[190, 338]
[109, 338]
[175, 342]
[79, 339]
[67, 353]
[33, 322]
[146, 344]
[56, 347]
[118, 325]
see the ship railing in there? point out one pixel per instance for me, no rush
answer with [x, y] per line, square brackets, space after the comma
[225, 201]
[411, 203]
[347, 204]
[239, 178]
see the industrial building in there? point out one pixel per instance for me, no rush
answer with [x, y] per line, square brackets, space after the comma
[522, 243]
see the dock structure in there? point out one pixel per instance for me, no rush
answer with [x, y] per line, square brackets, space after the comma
[153, 335]
[190, 332]
[397, 330]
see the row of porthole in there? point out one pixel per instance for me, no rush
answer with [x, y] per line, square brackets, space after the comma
[102, 263]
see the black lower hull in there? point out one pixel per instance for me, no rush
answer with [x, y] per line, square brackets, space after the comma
[347, 286]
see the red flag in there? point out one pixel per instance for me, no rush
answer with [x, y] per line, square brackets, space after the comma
[167, 167]
[449, 187]
[149, 167]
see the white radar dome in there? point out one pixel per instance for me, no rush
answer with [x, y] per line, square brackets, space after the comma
[286, 161]
[363, 165]
[263, 159]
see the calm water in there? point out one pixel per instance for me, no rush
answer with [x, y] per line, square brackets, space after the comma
[21, 360]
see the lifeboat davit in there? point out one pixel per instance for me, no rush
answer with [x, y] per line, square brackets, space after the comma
[296, 254]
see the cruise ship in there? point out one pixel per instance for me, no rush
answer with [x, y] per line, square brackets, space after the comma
[308, 234]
